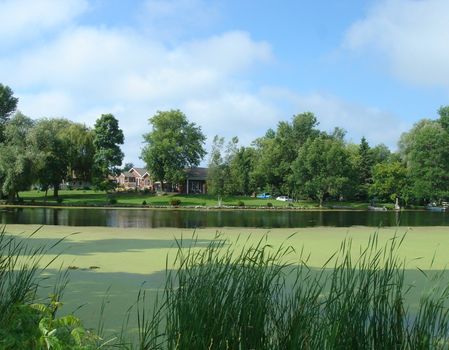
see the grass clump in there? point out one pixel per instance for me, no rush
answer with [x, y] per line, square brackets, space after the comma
[174, 202]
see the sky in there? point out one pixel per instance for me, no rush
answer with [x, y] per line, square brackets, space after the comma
[234, 67]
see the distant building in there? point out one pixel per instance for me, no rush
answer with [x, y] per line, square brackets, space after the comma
[196, 181]
[140, 178]
[135, 178]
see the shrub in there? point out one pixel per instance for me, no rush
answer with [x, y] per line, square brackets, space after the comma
[59, 200]
[112, 200]
[240, 203]
[175, 201]
[269, 205]
[144, 202]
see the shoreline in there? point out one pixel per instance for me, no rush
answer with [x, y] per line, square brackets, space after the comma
[199, 208]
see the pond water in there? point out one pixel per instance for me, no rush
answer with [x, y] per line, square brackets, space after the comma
[153, 218]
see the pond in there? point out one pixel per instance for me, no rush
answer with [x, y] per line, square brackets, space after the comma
[153, 218]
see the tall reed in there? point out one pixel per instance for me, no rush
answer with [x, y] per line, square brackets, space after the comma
[258, 297]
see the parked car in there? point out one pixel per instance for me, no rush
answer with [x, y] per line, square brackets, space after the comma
[264, 196]
[284, 199]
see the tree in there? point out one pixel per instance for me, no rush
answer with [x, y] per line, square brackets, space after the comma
[443, 112]
[80, 151]
[390, 181]
[425, 150]
[321, 168]
[8, 105]
[108, 156]
[173, 145]
[51, 150]
[364, 169]
[217, 170]
[16, 157]
[277, 150]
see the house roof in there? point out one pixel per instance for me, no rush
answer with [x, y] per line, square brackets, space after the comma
[139, 171]
[196, 173]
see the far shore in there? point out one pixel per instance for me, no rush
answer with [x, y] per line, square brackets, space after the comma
[125, 260]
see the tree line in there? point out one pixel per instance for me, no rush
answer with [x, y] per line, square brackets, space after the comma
[295, 159]
[48, 151]
[301, 161]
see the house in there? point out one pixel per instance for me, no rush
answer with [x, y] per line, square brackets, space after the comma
[195, 182]
[135, 178]
[139, 178]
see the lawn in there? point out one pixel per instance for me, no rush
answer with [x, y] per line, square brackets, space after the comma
[101, 198]
[122, 261]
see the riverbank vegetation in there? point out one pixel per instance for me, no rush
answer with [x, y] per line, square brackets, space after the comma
[243, 295]
[295, 158]
[87, 198]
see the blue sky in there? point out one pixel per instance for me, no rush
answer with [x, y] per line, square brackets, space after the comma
[236, 68]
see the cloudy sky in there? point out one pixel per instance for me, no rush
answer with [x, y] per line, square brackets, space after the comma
[234, 67]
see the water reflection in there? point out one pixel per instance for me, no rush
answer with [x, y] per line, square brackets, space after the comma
[214, 218]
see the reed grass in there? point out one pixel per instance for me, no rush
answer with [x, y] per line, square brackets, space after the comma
[258, 297]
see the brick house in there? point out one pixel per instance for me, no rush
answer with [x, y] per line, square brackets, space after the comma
[135, 178]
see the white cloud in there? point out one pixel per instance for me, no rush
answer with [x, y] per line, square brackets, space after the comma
[410, 34]
[24, 19]
[81, 72]
[87, 71]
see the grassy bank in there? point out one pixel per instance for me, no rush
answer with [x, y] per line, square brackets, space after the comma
[139, 199]
[121, 260]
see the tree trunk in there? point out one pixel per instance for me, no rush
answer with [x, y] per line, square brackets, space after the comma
[55, 190]
[11, 196]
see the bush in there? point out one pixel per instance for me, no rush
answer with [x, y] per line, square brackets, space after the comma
[175, 201]
[144, 203]
[112, 200]
[269, 205]
[59, 200]
[240, 203]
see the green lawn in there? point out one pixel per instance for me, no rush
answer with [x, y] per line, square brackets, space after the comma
[101, 198]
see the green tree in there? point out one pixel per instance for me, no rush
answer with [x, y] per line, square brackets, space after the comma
[108, 156]
[173, 145]
[380, 154]
[51, 150]
[80, 151]
[276, 151]
[241, 167]
[8, 105]
[321, 168]
[217, 169]
[390, 181]
[429, 163]
[364, 168]
[16, 157]
[443, 112]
